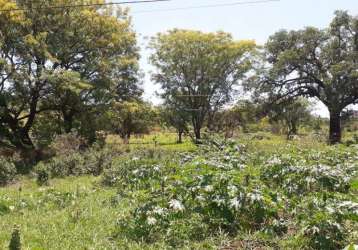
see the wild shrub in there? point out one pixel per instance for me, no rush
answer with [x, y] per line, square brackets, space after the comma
[7, 171]
[90, 162]
[15, 242]
[311, 171]
[43, 174]
[323, 221]
[321, 232]
[133, 173]
[62, 166]
[97, 160]
[196, 195]
[67, 144]
[60, 199]
[224, 188]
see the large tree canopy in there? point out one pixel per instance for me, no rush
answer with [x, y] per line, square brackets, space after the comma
[198, 71]
[290, 114]
[60, 59]
[176, 118]
[315, 63]
[130, 117]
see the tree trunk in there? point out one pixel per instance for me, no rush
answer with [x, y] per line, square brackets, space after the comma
[335, 133]
[293, 128]
[197, 133]
[211, 126]
[68, 122]
[180, 134]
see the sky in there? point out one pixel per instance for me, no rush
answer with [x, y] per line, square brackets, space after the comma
[255, 21]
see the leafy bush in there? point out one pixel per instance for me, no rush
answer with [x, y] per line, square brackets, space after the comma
[92, 161]
[322, 220]
[132, 173]
[304, 173]
[15, 242]
[96, 161]
[324, 233]
[212, 201]
[7, 171]
[67, 144]
[42, 173]
[194, 194]
[62, 166]
[223, 188]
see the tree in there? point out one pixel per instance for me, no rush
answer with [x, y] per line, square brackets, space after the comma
[129, 117]
[60, 59]
[175, 118]
[198, 71]
[315, 63]
[291, 114]
[240, 115]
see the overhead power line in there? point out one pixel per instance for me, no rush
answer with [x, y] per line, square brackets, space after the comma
[82, 5]
[207, 6]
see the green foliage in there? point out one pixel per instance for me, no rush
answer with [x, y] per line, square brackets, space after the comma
[15, 242]
[43, 174]
[324, 233]
[252, 193]
[176, 118]
[97, 160]
[7, 171]
[67, 144]
[63, 64]
[218, 190]
[62, 166]
[198, 71]
[299, 175]
[291, 115]
[244, 115]
[314, 62]
[129, 117]
[90, 162]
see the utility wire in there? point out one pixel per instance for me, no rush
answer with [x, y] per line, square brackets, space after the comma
[83, 5]
[143, 1]
[206, 6]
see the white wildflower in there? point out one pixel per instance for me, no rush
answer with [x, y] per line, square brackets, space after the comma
[200, 198]
[310, 179]
[219, 201]
[315, 230]
[274, 161]
[330, 210]
[209, 188]
[235, 203]
[176, 205]
[255, 197]
[159, 211]
[151, 221]
[232, 190]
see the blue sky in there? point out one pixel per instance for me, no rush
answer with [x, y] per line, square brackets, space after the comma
[252, 21]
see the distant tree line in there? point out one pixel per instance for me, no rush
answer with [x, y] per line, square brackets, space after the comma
[77, 69]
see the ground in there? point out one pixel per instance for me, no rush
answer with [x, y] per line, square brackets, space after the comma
[79, 212]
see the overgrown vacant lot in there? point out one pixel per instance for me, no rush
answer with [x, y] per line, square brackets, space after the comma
[250, 193]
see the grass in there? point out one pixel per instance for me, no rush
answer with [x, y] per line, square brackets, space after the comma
[83, 222]
[166, 141]
[75, 212]
[80, 213]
